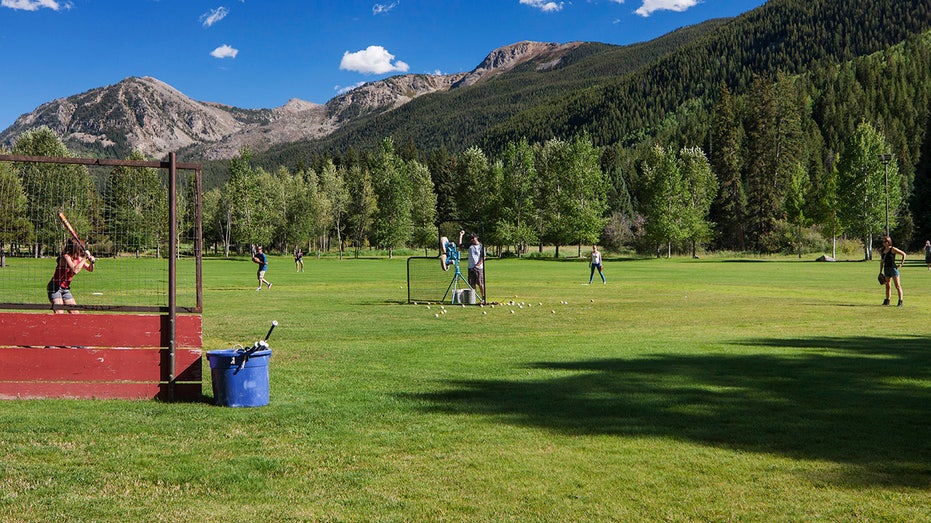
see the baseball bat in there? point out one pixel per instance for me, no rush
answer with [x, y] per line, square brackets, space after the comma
[74, 234]
[274, 324]
[259, 345]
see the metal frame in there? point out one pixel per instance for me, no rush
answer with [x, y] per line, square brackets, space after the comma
[172, 165]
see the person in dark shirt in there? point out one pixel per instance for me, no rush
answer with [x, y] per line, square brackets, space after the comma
[262, 260]
[890, 269]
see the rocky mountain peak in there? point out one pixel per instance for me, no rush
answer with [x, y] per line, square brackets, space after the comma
[505, 58]
[153, 117]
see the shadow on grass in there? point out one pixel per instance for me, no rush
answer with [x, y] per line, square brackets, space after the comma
[860, 402]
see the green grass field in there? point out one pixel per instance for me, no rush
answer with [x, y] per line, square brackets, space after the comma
[766, 389]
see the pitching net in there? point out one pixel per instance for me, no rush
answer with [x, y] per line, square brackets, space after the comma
[426, 279]
[125, 213]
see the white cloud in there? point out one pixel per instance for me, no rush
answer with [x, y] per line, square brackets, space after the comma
[213, 16]
[373, 60]
[649, 6]
[35, 5]
[543, 5]
[224, 51]
[379, 9]
[344, 90]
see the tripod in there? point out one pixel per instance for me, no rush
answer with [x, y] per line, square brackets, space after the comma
[454, 284]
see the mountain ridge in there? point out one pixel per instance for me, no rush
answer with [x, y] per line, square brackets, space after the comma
[149, 115]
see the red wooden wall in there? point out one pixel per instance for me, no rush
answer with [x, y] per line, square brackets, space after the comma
[98, 356]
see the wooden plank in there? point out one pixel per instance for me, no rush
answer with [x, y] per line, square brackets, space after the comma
[119, 390]
[91, 364]
[87, 356]
[97, 330]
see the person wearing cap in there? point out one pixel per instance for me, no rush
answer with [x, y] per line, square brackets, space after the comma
[477, 265]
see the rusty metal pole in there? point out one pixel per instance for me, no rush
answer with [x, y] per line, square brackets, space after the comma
[172, 271]
[199, 240]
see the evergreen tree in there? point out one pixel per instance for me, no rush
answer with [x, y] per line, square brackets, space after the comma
[443, 167]
[774, 142]
[730, 207]
[921, 196]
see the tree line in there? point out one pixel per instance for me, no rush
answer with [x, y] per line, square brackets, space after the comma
[796, 162]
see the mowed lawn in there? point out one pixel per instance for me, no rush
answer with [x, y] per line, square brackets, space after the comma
[751, 389]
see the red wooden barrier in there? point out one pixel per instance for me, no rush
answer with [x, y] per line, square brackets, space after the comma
[98, 356]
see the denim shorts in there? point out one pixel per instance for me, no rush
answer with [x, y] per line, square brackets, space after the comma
[58, 292]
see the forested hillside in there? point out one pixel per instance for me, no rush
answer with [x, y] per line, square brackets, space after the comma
[622, 94]
[788, 36]
[774, 98]
[783, 130]
[456, 119]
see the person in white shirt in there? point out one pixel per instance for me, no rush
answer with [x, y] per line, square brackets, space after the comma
[476, 265]
[596, 264]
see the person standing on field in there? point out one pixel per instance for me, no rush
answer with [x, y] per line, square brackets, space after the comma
[262, 260]
[476, 265]
[928, 254]
[596, 264]
[298, 260]
[890, 269]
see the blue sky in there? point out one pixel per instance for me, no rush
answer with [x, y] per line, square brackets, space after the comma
[261, 53]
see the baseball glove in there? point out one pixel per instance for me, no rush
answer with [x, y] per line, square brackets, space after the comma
[881, 278]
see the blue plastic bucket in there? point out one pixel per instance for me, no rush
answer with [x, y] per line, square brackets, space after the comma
[239, 380]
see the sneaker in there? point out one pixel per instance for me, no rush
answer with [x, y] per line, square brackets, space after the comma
[900, 303]
[269, 286]
[260, 288]
[885, 302]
